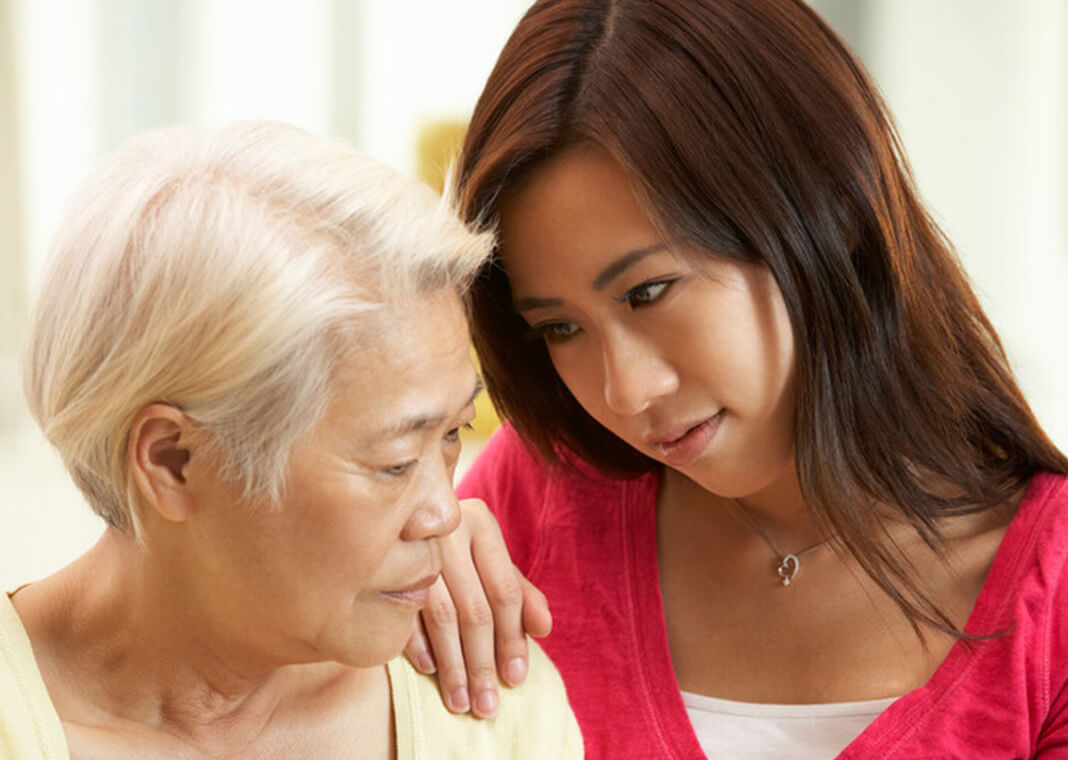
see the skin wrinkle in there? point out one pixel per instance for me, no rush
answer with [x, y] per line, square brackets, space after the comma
[263, 591]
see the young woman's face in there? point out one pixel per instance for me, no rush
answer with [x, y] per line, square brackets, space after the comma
[689, 359]
[340, 570]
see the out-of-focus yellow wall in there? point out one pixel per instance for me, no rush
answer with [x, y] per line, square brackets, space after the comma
[437, 146]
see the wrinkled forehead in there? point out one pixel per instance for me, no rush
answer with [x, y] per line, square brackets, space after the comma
[423, 334]
[410, 361]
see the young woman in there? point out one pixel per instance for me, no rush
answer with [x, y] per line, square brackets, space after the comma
[251, 352]
[765, 454]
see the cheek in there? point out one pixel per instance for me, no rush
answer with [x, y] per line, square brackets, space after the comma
[362, 546]
[340, 533]
[581, 369]
[746, 350]
[451, 455]
[775, 353]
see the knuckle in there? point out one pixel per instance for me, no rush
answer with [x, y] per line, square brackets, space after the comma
[481, 674]
[507, 593]
[473, 503]
[452, 676]
[478, 615]
[476, 509]
[415, 648]
[539, 595]
[440, 614]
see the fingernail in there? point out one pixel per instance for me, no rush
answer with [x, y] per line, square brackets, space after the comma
[460, 700]
[487, 703]
[426, 663]
[516, 670]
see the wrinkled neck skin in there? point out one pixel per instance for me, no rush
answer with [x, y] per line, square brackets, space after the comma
[123, 647]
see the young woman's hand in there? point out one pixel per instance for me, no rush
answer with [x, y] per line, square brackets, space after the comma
[479, 613]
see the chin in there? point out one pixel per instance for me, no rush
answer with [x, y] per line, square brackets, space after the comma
[732, 485]
[373, 647]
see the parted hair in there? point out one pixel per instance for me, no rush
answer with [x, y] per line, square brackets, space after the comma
[226, 273]
[750, 131]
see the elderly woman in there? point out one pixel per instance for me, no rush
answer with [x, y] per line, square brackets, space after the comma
[251, 352]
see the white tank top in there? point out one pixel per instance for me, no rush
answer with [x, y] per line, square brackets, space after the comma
[745, 731]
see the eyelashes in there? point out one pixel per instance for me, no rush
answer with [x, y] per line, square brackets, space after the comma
[399, 470]
[646, 293]
[552, 332]
[451, 438]
[453, 435]
[640, 296]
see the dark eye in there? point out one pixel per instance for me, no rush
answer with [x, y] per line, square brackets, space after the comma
[399, 470]
[552, 332]
[646, 293]
[453, 436]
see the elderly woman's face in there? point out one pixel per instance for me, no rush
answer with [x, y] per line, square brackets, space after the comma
[340, 571]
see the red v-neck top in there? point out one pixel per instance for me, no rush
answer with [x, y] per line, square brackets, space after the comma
[589, 543]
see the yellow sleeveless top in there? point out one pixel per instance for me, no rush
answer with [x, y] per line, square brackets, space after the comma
[29, 726]
[534, 721]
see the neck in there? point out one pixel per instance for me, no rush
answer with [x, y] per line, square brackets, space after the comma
[778, 507]
[116, 625]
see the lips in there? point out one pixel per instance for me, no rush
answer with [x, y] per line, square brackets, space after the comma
[413, 595]
[682, 446]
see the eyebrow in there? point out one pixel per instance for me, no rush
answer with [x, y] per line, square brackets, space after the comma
[415, 423]
[600, 282]
[528, 304]
[624, 262]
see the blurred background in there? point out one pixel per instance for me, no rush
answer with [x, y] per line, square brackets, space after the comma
[979, 89]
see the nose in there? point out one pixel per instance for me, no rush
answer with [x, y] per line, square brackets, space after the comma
[635, 374]
[438, 512]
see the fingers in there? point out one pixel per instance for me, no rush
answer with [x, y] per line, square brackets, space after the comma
[443, 632]
[475, 621]
[477, 617]
[503, 589]
[418, 650]
[537, 619]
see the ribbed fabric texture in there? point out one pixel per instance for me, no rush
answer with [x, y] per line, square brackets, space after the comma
[534, 721]
[29, 726]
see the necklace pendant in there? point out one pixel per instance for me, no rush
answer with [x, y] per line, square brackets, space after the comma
[789, 568]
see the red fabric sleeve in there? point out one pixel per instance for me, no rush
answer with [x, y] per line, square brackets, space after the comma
[1053, 739]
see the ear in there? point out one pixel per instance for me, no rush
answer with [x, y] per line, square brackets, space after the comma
[159, 452]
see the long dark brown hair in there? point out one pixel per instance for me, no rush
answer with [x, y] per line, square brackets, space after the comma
[750, 131]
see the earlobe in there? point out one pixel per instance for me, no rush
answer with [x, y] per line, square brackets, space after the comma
[159, 451]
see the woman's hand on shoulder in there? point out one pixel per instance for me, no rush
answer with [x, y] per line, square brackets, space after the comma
[477, 618]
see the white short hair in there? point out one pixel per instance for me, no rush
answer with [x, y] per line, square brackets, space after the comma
[225, 273]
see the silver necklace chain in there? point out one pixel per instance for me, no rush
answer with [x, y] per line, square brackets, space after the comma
[790, 562]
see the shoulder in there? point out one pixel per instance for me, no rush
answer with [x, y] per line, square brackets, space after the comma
[508, 466]
[1027, 586]
[1030, 580]
[1036, 543]
[30, 729]
[1018, 679]
[1043, 586]
[535, 719]
[1049, 587]
[505, 463]
[532, 499]
[515, 484]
